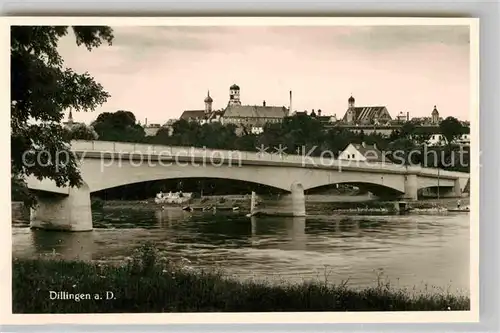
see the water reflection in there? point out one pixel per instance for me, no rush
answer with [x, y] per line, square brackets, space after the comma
[166, 217]
[414, 249]
[68, 245]
[296, 229]
[289, 232]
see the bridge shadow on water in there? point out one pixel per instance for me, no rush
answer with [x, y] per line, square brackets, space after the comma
[118, 231]
[378, 190]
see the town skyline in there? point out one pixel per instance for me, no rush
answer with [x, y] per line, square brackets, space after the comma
[158, 72]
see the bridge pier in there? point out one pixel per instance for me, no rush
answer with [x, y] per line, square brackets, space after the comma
[293, 203]
[290, 204]
[65, 213]
[411, 187]
[298, 200]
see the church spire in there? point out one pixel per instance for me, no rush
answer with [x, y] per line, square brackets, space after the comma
[208, 103]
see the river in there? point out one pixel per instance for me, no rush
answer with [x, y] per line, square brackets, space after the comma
[421, 252]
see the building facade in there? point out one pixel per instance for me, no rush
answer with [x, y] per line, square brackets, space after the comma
[202, 116]
[247, 118]
[365, 115]
[363, 153]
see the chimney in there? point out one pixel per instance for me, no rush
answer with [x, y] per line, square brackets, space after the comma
[291, 110]
[319, 112]
[264, 103]
[407, 116]
[146, 122]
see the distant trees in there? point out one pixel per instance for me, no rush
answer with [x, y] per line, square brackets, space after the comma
[41, 89]
[408, 129]
[185, 133]
[297, 134]
[400, 149]
[294, 133]
[337, 139]
[451, 128]
[118, 126]
[82, 132]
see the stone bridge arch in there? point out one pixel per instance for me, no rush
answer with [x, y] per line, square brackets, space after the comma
[252, 186]
[376, 189]
[101, 170]
[393, 184]
[101, 178]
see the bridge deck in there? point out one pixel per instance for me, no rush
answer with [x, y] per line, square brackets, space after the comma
[98, 149]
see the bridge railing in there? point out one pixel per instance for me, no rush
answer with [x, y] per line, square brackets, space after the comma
[246, 156]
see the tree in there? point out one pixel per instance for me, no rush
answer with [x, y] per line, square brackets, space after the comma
[162, 137]
[82, 132]
[294, 133]
[337, 139]
[423, 134]
[246, 142]
[451, 128]
[118, 126]
[408, 129]
[41, 89]
[400, 149]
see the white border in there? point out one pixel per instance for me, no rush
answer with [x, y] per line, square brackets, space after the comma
[290, 317]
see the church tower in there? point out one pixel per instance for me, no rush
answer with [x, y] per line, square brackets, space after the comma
[70, 117]
[208, 103]
[350, 109]
[435, 116]
[234, 95]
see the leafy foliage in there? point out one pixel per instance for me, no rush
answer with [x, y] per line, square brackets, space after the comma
[41, 89]
[451, 128]
[82, 132]
[306, 135]
[118, 126]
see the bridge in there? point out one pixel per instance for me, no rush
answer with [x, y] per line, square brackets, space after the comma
[105, 165]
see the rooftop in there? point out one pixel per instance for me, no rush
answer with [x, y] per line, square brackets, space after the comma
[189, 114]
[370, 152]
[255, 111]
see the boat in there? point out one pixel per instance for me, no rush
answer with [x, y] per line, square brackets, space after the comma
[459, 210]
[173, 198]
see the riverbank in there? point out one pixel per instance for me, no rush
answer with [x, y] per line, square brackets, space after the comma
[148, 282]
[362, 205]
[219, 201]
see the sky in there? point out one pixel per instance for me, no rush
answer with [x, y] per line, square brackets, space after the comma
[158, 72]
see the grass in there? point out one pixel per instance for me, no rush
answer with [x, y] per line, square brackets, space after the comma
[148, 282]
